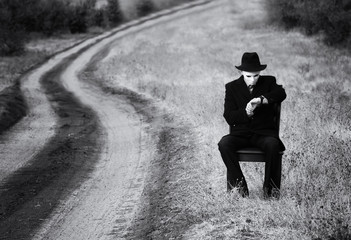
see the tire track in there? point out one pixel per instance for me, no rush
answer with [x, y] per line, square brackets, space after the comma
[30, 194]
[106, 203]
[67, 154]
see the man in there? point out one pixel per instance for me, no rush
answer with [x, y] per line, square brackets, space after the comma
[249, 109]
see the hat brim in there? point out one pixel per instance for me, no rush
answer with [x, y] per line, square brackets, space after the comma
[252, 69]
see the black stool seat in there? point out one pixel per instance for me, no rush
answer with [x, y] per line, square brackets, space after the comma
[252, 154]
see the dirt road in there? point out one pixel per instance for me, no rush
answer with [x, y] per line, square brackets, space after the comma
[75, 167]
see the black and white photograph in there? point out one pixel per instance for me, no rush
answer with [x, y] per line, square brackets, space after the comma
[175, 119]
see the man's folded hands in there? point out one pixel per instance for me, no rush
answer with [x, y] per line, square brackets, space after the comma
[251, 106]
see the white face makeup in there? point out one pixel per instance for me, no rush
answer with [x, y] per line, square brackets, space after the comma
[250, 77]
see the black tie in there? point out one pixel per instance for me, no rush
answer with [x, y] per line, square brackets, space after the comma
[251, 87]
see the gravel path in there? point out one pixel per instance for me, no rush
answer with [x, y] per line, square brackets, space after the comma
[76, 165]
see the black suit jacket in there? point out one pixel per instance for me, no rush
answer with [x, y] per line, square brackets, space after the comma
[237, 96]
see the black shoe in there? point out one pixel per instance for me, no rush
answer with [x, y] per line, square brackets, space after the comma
[267, 192]
[275, 193]
[240, 186]
[271, 193]
[243, 191]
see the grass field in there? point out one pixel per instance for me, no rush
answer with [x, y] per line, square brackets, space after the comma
[186, 68]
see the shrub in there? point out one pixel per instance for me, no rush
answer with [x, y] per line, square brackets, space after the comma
[20, 14]
[337, 25]
[11, 42]
[100, 18]
[48, 17]
[89, 6]
[11, 38]
[78, 19]
[52, 16]
[144, 7]
[114, 13]
[332, 18]
[283, 12]
[12, 107]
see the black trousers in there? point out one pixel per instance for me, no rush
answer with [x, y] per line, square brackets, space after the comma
[228, 146]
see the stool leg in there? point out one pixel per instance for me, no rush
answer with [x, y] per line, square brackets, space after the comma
[272, 179]
[236, 183]
[277, 173]
[274, 189]
[230, 183]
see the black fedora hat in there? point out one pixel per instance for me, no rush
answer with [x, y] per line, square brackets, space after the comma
[250, 62]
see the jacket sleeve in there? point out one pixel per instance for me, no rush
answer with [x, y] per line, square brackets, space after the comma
[276, 94]
[232, 113]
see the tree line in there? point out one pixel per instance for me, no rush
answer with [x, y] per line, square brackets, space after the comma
[332, 18]
[19, 18]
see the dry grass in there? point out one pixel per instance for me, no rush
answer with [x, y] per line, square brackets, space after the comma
[41, 48]
[12, 103]
[185, 66]
[129, 7]
[38, 50]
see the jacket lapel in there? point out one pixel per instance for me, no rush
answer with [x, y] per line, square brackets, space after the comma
[258, 88]
[244, 89]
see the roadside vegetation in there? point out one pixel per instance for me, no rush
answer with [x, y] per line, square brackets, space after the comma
[186, 70]
[330, 18]
[34, 30]
[21, 19]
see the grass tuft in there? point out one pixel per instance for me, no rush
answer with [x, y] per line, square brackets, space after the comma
[12, 107]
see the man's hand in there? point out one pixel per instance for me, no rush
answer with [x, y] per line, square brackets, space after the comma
[255, 102]
[251, 106]
[249, 109]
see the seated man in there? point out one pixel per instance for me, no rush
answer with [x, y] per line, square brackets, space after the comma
[248, 108]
